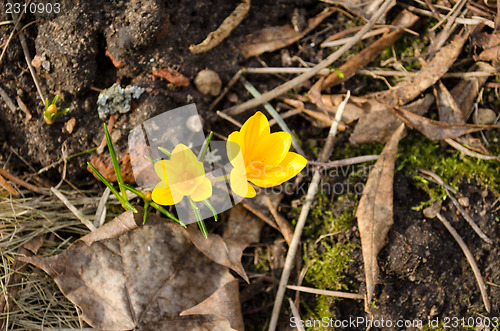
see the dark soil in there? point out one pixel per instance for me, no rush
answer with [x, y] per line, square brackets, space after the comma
[424, 274]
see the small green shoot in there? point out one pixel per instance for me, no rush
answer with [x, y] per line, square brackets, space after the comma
[116, 165]
[51, 113]
[204, 148]
[199, 219]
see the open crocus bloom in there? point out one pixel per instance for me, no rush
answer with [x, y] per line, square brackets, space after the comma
[260, 157]
[182, 175]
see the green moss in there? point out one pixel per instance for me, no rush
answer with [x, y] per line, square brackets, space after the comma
[326, 254]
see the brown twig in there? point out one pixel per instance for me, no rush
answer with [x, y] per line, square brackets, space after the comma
[5, 184]
[21, 182]
[326, 292]
[233, 81]
[283, 88]
[284, 226]
[259, 214]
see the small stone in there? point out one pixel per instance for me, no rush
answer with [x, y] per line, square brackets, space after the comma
[464, 201]
[36, 62]
[432, 210]
[70, 125]
[46, 65]
[194, 124]
[208, 82]
[484, 116]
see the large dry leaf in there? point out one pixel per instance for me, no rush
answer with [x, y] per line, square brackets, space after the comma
[448, 109]
[379, 124]
[375, 215]
[436, 130]
[426, 77]
[405, 19]
[143, 280]
[276, 37]
[241, 229]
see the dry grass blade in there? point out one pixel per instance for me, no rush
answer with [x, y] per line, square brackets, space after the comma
[296, 315]
[470, 259]
[73, 209]
[338, 294]
[9, 188]
[375, 214]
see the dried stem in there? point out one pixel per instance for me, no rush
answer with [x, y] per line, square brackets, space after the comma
[311, 192]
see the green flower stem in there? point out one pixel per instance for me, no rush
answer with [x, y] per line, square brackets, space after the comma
[116, 165]
[146, 205]
[197, 214]
[133, 190]
[124, 202]
[166, 213]
[209, 206]
[204, 149]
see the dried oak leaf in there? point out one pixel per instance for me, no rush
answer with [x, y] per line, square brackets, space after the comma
[144, 279]
[241, 229]
[276, 37]
[375, 215]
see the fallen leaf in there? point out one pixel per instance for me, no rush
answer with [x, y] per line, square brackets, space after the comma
[374, 213]
[466, 91]
[105, 167]
[120, 224]
[214, 38]
[379, 124]
[242, 229]
[172, 76]
[447, 107]
[143, 280]
[276, 37]
[405, 19]
[426, 77]
[436, 130]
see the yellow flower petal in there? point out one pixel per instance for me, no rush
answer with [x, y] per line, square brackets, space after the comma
[253, 130]
[291, 165]
[235, 147]
[160, 170]
[164, 196]
[239, 184]
[202, 191]
[272, 149]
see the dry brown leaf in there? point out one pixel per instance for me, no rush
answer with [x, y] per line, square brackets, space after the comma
[214, 38]
[276, 37]
[374, 214]
[172, 76]
[143, 280]
[426, 77]
[379, 124]
[466, 91]
[436, 130]
[447, 107]
[241, 229]
[405, 19]
[105, 167]
[120, 224]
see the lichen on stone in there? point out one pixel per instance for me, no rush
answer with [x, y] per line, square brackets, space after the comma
[117, 99]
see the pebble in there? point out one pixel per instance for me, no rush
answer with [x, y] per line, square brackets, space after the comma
[484, 116]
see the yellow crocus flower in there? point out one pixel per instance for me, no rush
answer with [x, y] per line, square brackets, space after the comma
[182, 175]
[260, 157]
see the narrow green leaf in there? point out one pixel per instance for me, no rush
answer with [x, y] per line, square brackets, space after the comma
[146, 205]
[166, 212]
[165, 151]
[150, 159]
[133, 190]
[115, 192]
[116, 165]
[199, 219]
[204, 148]
[46, 103]
[209, 205]
[56, 98]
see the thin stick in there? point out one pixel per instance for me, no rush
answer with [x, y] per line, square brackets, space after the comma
[229, 119]
[27, 56]
[313, 71]
[468, 152]
[284, 70]
[233, 81]
[345, 162]
[470, 259]
[5, 184]
[21, 182]
[326, 292]
[289, 113]
[73, 209]
[296, 315]
[11, 36]
[8, 100]
[311, 192]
